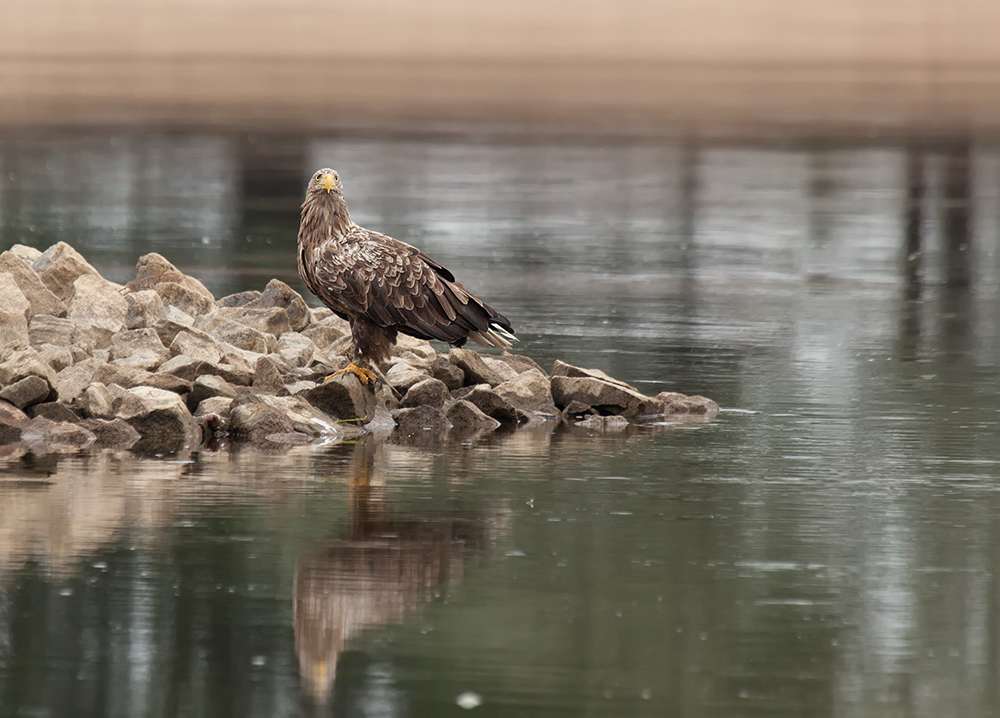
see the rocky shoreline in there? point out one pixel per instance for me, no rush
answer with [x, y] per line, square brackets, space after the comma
[160, 365]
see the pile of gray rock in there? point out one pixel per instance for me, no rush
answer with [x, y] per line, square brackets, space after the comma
[160, 364]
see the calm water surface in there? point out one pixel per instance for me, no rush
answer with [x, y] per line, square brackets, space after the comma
[828, 546]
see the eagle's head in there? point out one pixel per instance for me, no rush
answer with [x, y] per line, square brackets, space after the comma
[326, 182]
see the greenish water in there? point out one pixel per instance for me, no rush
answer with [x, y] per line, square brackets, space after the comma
[827, 546]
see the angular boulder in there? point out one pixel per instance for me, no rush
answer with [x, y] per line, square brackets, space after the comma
[46, 329]
[175, 288]
[54, 411]
[279, 295]
[296, 349]
[139, 348]
[12, 422]
[59, 267]
[96, 402]
[97, 302]
[344, 398]
[401, 376]
[228, 331]
[22, 363]
[597, 390]
[112, 433]
[40, 299]
[492, 404]
[161, 418]
[443, 370]
[49, 437]
[256, 422]
[529, 391]
[267, 377]
[14, 312]
[420, 421]
[145, 310]
[466, 417]
[476, 370]
[196, 344]
[27, 392]
[429, 392]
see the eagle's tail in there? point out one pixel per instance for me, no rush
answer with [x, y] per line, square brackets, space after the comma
[495, 336]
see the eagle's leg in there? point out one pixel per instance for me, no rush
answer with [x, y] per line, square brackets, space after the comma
[362, 370]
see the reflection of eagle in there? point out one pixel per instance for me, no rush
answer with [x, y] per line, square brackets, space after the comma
[383, 286]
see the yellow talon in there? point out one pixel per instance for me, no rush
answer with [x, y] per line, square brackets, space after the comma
[361, 371]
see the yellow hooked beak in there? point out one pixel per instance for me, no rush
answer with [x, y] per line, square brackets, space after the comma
[327, 182]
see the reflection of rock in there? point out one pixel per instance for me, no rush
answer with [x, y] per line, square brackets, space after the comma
[381, 568]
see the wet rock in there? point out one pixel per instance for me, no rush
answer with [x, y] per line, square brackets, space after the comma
[443, 370]
[240, 299]
[174, 322]
[475, 369]
[596, 422]
[145, 310]
[112, 433]
[22, 363]
[161, 418]
[196, 344]
[577, 409]
[50, 437]
[96, 402]
[607, 396]
[40, 299]
[267, 377]
[59, 267]
[429, 392]
[97, 302]
[26, 392]
[343, 397]
[12, 422]
[466, 417]
[175, 288]
[401, 376]
[225, 330]
[492, 404]
[529, 391]
[139, 348]
[54, 411]
[420, 420]
[46, 329]
[305, 417]
[279, 295]
[25, 253]
[679, 404]
[296, 349]
[255, 422]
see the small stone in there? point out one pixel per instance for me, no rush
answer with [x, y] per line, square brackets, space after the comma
[59, 267]
[97, 302]
[267, 378]
[96, 402]
[12, 422]
[492, 404]
[466, 417]
[161, 418]
[450, 374]
[50, 437]
[343, 397]
[40, 299]
[401, 376]
[26, 392]
[112, 433]
[476, 370]
[429, 392]
[420, 419]
[54, 411]
[596, 422]
[145, 310]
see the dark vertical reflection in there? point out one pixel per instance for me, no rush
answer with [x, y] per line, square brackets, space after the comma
[821, 218]
[916, 190]
[956, 191]
[374, 572]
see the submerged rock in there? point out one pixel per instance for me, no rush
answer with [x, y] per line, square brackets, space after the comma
[47, 437]
[344, 398]
[161, 418]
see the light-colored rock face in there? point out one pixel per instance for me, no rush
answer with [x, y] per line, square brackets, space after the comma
[401, 376]
[41, 300]
[97, 303]
[139, 348]
[175, 288]
[12, 299]
[145, 309]
[529, 391]
[59, 267]
[46, 329]
[22, 363]
[26, 254]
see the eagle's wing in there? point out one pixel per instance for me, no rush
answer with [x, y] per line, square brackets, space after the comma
[396, 285]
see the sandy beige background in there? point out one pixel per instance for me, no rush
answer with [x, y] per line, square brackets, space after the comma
[725, 66]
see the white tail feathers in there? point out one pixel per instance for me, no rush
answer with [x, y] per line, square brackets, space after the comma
[495, 336]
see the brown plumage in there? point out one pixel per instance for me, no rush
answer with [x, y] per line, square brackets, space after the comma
[383, 286]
